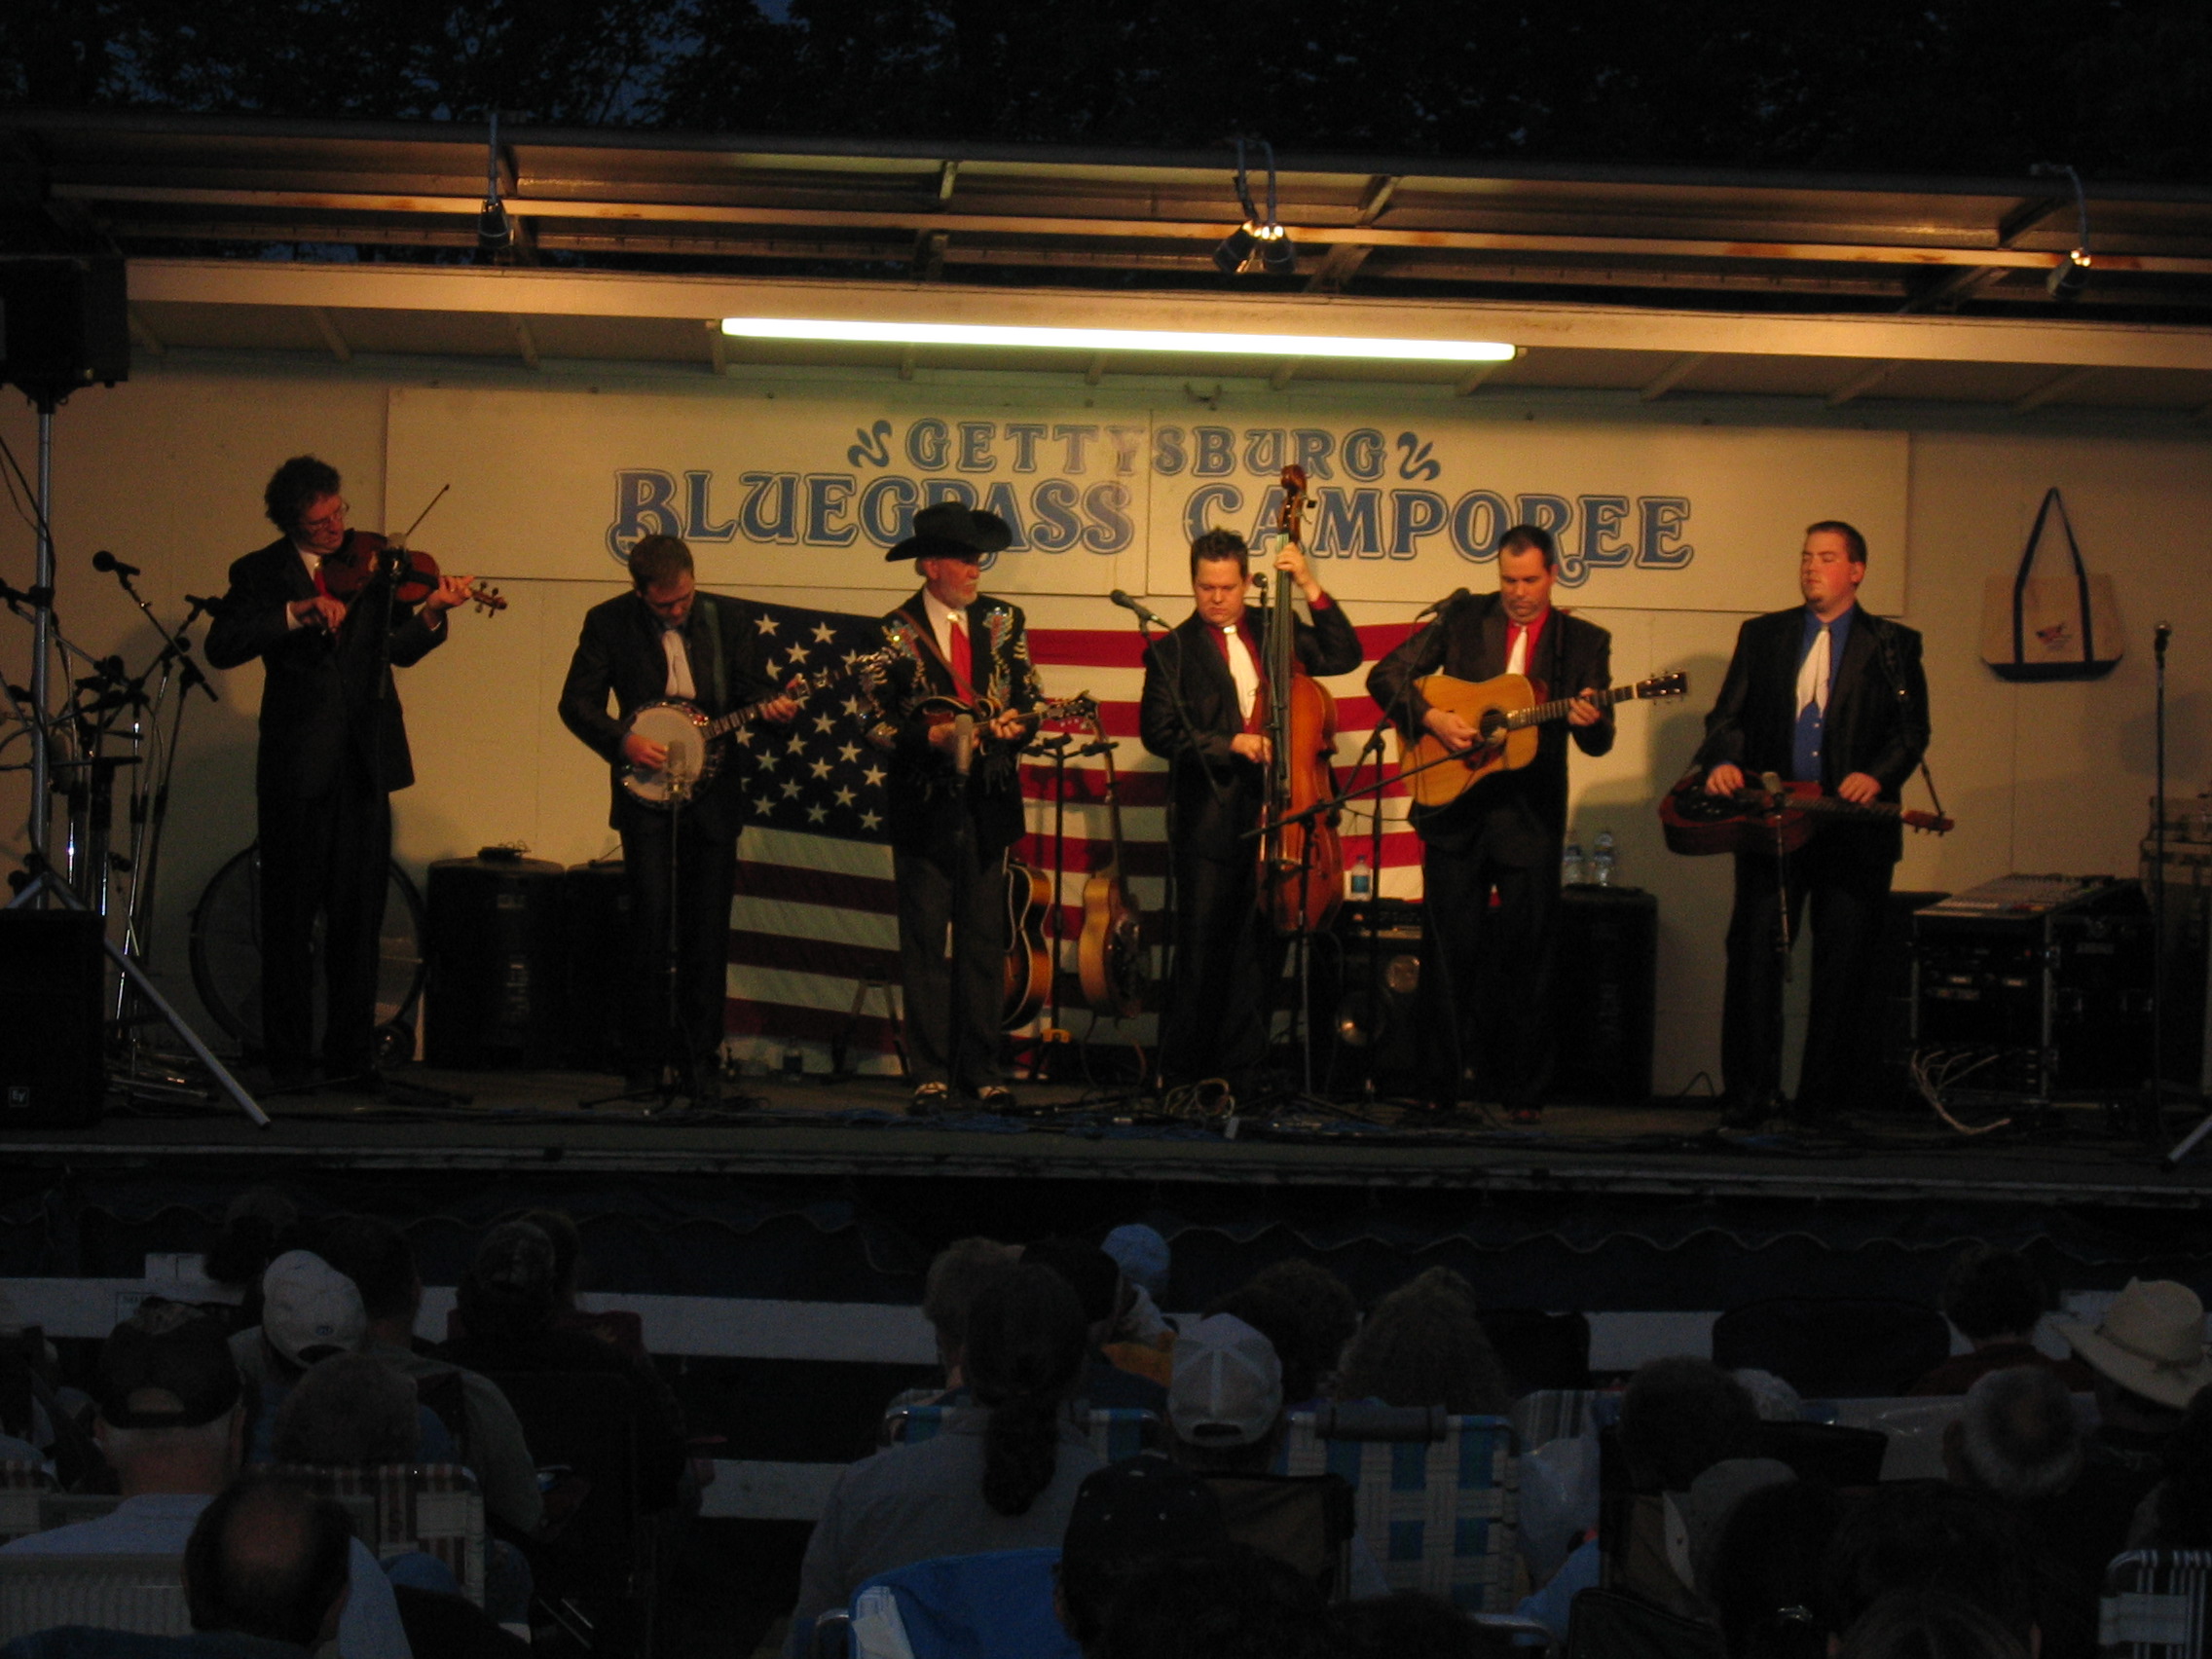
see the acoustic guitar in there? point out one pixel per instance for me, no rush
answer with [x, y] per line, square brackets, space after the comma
[1505, 713]
[1782, 816]
[1027, 985]
[1110, 954]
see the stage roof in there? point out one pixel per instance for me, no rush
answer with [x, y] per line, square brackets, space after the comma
[357, 240]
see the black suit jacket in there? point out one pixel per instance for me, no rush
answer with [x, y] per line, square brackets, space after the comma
[619, 654]
[1877, 717]
[1187, 660]
[923, 791]
[1468, 642]
[318, 694]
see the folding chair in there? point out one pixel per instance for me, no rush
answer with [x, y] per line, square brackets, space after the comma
[139, 1593]
[1115, 1433]
[979, 1606]
[2154, 1604]
[1608, 1624]
[432, 1507]
[1834, 1347]
[21, 1486]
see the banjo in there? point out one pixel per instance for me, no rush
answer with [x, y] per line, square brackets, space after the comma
[691, 738]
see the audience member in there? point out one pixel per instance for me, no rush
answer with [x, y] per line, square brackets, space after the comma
[1996, 1298]
[256, 1226]
[1234, 1603]
[1141, 1340]
[1330, 1315]
[1099, 1287]
[961, 1270]
[1928, 1624]
[375, 1255]
[1422, 1345]
[1764, 1575]
[1410, 1626]
[1924, 1536]
[351, 1411]
[268, 1557]
[2178, 1513]
[1126, 1519]
[1002, 1475]
[172, 1422]
[1279, 1320]
[618, 1327]
[508, 1298]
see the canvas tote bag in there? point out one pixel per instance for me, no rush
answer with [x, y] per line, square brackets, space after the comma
[2063, 627]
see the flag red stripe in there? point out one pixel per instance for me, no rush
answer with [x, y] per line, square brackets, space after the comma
[827, 957]
[871, 1032]
[867, 892]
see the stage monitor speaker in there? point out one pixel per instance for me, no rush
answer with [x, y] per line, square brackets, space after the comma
[53, 970]
[595, 911]
[1605, 978]
[1891, 1084]
[64, 322]
[496, 994]
[1365, 1020]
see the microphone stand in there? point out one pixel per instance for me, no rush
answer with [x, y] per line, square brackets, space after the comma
[963, 855]
[2159, 1085]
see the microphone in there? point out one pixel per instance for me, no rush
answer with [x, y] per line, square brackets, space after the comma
[212, 606]
[103, 560]
[2159, 638]
[1144, 612]
[1445, 604]
[963, 742]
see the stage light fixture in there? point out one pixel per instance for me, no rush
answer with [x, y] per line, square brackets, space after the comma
[1235, 249]
[2070, 275]
[1260, 233]
[494, 231]
[1119, 340]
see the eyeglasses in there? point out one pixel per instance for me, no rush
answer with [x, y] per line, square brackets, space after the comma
[330, 520]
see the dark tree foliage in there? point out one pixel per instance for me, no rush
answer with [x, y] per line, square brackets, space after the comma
[2118, 87]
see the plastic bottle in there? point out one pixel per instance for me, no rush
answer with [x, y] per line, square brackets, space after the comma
[1602, 863]
[1359, 880]
[1571, 864]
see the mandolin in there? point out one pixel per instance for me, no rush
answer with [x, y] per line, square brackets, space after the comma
[1781, 816]
[1110, 954]
[1506, 711]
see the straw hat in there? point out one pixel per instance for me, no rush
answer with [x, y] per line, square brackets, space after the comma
[2150, 1341]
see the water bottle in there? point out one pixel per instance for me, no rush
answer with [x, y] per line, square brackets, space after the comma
[1602, 865]
[1359, 880]
[1571, 865]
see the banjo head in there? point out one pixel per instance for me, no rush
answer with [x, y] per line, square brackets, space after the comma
[682, 730]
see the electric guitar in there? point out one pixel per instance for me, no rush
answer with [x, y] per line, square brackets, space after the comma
[693, 739]
[1505, 713]
[1775, 817]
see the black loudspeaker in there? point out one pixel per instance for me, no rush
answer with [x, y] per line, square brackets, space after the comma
[1365, 1019]
[496, 995]
[51, 972]
[1891, 1084]
[64, 322]
[595, 912]
[1605, 977]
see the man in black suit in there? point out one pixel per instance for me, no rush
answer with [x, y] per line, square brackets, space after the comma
[1209, 669]
[333, 748]
[955, 649]
[667, 639]
[1823, 691]
[1504, 834]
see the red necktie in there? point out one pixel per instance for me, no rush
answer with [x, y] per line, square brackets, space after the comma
[963, 660]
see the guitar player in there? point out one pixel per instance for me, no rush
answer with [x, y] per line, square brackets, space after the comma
[1823, 691]
[666, 639]
[1485, 974]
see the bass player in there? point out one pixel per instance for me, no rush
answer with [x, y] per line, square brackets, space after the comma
[1822, 692]
[1504, 834]
[1214, 1022]
[665, 638]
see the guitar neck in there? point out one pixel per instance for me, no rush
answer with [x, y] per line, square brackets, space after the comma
[1835, 806]
[1558, 707]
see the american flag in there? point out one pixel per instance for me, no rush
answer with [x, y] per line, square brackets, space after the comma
[814, 927]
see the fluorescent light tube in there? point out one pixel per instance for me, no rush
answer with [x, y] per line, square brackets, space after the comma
[1119, 340]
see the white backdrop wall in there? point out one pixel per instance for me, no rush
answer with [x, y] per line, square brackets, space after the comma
[166, 469]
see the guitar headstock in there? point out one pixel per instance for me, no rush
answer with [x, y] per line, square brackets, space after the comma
[1081, 708]
[1673, 683]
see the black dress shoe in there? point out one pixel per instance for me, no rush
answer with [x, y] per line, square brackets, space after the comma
[929, 1099]
[1747, 1114]
[995, 1097]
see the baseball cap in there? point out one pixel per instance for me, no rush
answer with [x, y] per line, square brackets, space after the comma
[310, 1310]
[1141, 1253]
[167, 1366]
[1228, 1386]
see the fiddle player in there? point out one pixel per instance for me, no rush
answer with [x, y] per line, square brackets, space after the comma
[333, 749]
[1823, 691]
[667, 639]
[954, 647]
[1502, 836]
[1227, 956]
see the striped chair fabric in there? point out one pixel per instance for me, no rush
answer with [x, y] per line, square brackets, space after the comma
[1440, 1514]
[21, 1486]
[432, 1507]
[1117, 1433]
[143, 1594]
[2154, 1604]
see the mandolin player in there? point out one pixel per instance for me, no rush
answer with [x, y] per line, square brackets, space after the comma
[664, 639]
[1823, 691]
[1207, 673]
[1485, 973]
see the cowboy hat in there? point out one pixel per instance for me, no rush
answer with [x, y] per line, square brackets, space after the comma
[2150, 1341]
[950, 531]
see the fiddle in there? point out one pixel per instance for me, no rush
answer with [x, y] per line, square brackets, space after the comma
[1301, 863]
[364, 553]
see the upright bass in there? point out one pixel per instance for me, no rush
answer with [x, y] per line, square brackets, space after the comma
[1301, 863]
